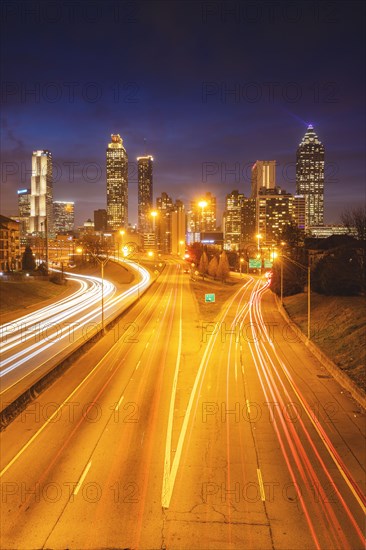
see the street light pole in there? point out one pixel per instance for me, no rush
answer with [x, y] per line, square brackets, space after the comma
[282, 278]
[102, 262]
[309, 291]
[102, 270]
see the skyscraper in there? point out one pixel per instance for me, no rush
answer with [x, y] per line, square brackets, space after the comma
[145, 193]
[117, 184]
[263, 176]
[100, 219]
[24, 203]
[233, 220]
[24, 211]
[164, 207]
[202, 216]
[63, 216]
[41, 193]
[178, 228]
[310, 177]
[274, 210]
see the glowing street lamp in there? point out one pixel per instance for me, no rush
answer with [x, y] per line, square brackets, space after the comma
[241, 263]
[202, 204]
[259, 236]
[282, 245]
[122, 233]
[153, 214]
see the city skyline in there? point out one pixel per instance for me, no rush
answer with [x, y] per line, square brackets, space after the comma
[264, 169]
[206, 113]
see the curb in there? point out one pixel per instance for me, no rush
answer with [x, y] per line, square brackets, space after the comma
[343, 379]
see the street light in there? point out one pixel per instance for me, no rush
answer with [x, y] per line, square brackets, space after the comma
[202, 204]
[282, 245]
[153, 214]
[122, 233]
[259, 236]
[241, 263]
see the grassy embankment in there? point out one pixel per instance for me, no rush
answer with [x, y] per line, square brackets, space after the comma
[20, 295]
[222, 291]
[338, 329]
[16, 296]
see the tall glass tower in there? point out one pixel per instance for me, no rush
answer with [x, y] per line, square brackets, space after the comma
[41, 215]
[145, 193]
[310, 177]
[117, 184]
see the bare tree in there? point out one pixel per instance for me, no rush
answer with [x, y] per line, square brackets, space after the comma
[97, 246]
[223, 268]
[212, 267]
[203, 265]
[355, 218]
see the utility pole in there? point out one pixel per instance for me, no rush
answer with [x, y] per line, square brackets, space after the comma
[282, 278]
[102, 262]
[309, 299]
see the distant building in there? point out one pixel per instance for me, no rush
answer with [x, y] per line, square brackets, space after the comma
[233, 220]
[63, 217]
[24, 212]
[178, 229]
[263, 176]
[41, 217]
[212, 238]
[274, 210]
[100, 220]
[117, 184]
[324, 231]
[144, 193]
[299, 211]
[249, 219]
[164, 208]
[24, 203]
[9, 244]
[87, 228]
[310, 177]
[201, 217]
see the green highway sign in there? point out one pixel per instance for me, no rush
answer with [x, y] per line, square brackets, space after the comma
[209, 297]
[268, 263]
[255, 263]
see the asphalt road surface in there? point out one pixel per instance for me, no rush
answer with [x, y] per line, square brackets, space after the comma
[176, 433]
[32, 344]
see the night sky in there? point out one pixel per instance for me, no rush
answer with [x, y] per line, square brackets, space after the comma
[160, 75]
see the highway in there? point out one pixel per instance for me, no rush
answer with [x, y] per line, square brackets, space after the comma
[32, 344]
[173, 432]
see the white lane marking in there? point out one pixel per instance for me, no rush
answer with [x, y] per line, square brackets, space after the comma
[147, 345]
[138, 364]
[261, 486]
[204, 361]
[242, 369]
[119, 403]
[248, 406]
[167, 488]
[82, 477]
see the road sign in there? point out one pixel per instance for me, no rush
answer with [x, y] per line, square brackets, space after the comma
[268, 263]
[209, 297]
[254, 263]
